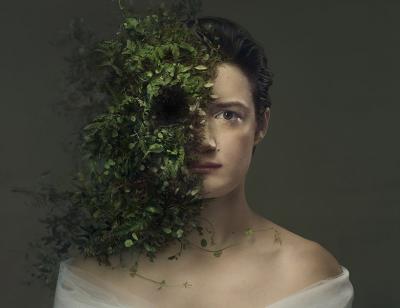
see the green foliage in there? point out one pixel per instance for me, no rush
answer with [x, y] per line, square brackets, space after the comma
[134, 191]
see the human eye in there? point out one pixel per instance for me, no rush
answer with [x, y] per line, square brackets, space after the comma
[236, 115]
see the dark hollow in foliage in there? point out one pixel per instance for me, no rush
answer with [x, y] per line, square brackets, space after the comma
[170, 107]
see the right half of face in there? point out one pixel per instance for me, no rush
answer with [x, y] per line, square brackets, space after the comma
[229, 132]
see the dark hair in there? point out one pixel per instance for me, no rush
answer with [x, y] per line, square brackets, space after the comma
[242, 49]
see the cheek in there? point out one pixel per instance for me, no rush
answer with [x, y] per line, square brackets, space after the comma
[237, 145]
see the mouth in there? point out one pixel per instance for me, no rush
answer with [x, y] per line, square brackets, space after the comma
[202, 170]
[205, 167]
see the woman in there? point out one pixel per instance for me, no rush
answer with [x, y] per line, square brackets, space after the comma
[275, 268]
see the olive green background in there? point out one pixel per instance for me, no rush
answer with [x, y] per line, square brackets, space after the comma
[328, 169]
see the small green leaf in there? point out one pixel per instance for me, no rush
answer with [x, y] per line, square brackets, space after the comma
[128, 243]
[194, 191]
[200, 67]
[167, 230]
[208, 85]
[186, 68]
[151, 209]
[179, 233]
[249, 232]
[134, 235]
[218, 253]
[131, 23]
[206, 57]
[156, 148]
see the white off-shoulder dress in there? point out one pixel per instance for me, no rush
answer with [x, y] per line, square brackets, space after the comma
[75, 290]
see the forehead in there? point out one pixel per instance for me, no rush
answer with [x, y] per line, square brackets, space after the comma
[231, 84]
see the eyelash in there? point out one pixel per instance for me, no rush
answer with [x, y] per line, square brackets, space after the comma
[238, 116]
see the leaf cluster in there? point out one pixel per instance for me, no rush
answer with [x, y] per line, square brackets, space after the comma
[134, 190]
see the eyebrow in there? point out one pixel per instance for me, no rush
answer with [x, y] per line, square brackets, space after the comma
[230, 104]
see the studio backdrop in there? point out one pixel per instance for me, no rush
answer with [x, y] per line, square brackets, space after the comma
[328, 168]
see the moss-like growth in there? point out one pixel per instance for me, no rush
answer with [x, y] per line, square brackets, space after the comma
[134, 190]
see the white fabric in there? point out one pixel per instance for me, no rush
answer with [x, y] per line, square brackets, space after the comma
[335, 292]
[87, 291]
[79, 289]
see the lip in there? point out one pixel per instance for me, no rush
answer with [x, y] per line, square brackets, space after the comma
[203, 169]
[206, 165]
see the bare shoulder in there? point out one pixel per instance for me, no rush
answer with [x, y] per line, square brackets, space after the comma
[304, 262]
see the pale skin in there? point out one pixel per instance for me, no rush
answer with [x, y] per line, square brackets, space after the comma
[259, 270]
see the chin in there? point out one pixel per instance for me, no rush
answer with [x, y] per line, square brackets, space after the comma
[216, 190]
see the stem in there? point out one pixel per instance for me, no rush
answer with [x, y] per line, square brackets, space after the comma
[212, 231]
[208, 250]
[186, 284]
[120, 5]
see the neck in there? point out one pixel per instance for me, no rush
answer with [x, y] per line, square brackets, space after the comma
[229, 214]
[226, 217]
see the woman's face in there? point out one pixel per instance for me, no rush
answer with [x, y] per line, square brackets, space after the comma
[229, 132]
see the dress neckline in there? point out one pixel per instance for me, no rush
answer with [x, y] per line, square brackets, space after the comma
[337, 279]
[340, 278]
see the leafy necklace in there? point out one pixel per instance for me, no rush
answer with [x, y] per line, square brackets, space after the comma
[248, 232]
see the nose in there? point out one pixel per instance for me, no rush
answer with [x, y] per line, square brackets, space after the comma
[208, 144]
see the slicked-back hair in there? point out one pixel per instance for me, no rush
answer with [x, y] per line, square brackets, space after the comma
[238, 45]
